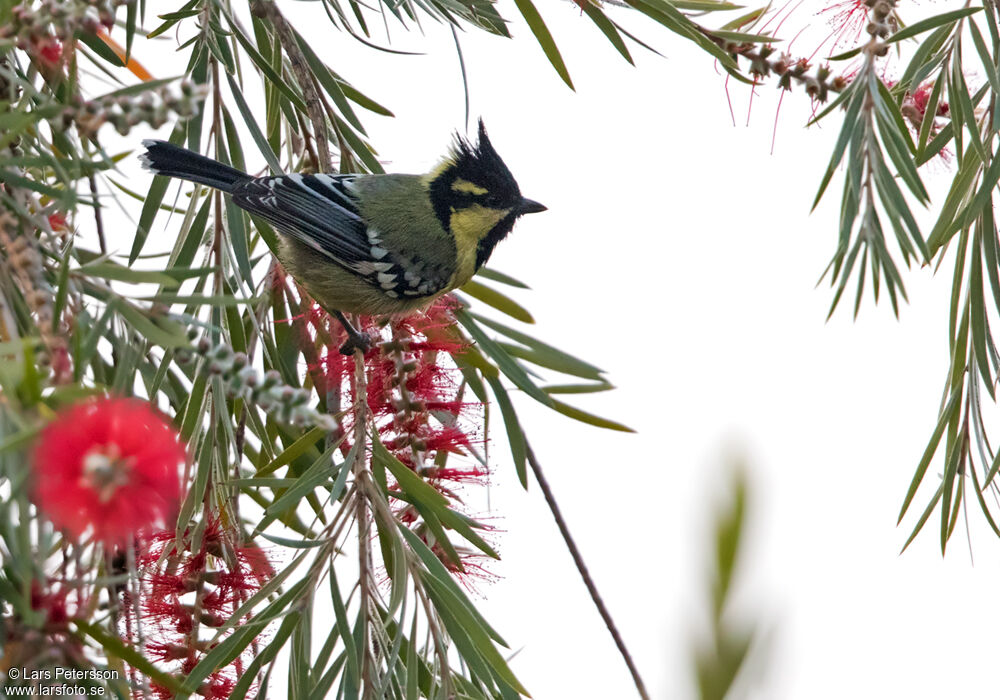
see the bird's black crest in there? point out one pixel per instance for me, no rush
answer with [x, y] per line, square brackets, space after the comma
[480, 165]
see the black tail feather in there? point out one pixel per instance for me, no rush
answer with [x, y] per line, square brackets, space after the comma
[167, 159]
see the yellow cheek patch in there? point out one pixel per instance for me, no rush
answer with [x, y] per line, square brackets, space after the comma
[461, 185]
[469, 226]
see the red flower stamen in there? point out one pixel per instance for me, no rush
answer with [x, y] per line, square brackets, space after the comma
[108, 467]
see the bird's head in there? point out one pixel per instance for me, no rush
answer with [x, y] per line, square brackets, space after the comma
[475, 196]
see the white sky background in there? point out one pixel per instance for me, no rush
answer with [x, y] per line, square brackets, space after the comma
[678, 254]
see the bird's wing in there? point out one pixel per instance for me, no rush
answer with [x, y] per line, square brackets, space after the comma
[321, 211]
[317, 210]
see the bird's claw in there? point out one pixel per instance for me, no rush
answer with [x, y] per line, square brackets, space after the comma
[359, 341]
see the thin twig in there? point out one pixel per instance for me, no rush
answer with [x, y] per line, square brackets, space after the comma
[98, 219]
[360, 478]
[550, 499]
[303, 76]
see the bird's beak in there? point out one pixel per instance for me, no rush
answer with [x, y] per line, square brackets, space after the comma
[528, 206]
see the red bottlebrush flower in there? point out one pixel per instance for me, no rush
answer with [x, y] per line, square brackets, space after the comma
[49, 50]
[27, 641]
[108, 467]
[848, 20]
[922, 95]
[58, 222]
[415, 398]
[914, 106]
[187, 594]
[53, 603]
[474, 568]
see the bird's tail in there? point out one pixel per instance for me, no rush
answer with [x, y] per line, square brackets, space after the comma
[167, 159]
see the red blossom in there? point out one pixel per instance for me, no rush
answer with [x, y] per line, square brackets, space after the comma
[475, 475]
[52, 601]
[848, 19]
[914, 109]
[57, 221]
[416, 398]
[108, 467]
[168, 651]
[188, 592]
[473, 568]
[921, 96]
[49, 50]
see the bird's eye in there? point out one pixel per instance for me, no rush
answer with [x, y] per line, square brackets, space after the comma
[493, 200]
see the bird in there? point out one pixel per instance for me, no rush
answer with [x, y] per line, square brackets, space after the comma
[372, 244]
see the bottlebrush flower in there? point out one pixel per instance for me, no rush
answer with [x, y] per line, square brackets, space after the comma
[108, 467]
[848, 19]
[51, 644]
[50, 50]
[412, 389]
[417, 403]
[186, 594]
[915, 105]
[58, 221]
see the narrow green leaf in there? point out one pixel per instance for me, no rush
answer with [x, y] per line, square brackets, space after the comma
[498, 300]
[977, 310]
[454, 605]
[163, 332]
[947, 224]
[932, 445]
[172, 18]
[111, 271]
[588, 418]
[607, 28]
[115, 646]
[95, 44]
[504, 361]
[426, 498]
[989, 65]
[744, 37]
[332, 86]
[544, 38]
[321, 470]
[272, 76]
[930, 23]
[515, 436]
[846, 131]
[343, 627]
[551, 356]
[266, 656]
[254, 127]
[924, 517]
[225, 651]
[497, 276]
[151, 204]
[982, 501]
[930, 114]
[844, 55]
[925, 59]
[436, 569]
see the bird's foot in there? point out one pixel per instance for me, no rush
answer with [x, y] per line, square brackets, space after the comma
[356, 341]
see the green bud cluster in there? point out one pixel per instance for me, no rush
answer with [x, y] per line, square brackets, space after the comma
[270, 393]
[59, 19]
[124, 112]
[25, 262]
[789, 70]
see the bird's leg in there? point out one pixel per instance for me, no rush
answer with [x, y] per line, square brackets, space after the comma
[356, 340]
